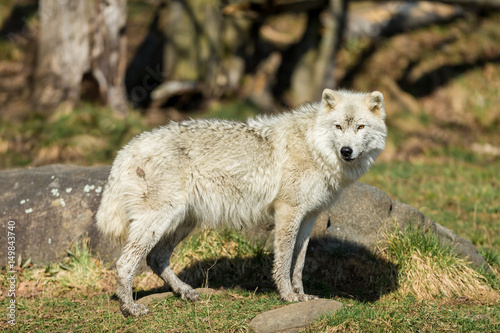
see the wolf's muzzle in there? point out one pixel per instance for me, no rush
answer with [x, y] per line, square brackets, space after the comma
[346, 153]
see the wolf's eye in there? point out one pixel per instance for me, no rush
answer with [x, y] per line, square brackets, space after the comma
[338, 127]
[361, 127]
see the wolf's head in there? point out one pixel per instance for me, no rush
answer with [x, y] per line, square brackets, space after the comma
[351, 126]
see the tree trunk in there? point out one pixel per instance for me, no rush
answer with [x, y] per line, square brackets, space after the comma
[201, 49]
[317, 54]
[108, 52]
[80, 38]
[63, 52]
[193, 51]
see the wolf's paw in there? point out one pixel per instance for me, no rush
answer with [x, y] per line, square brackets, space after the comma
[305, 297]
[298, 297]
[134, 310]
[191, 295]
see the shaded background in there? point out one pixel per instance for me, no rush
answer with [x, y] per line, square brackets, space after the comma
[78, 79]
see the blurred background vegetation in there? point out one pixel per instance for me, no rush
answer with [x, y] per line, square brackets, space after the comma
[436, 64]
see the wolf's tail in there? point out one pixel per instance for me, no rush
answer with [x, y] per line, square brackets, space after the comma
[110, 217]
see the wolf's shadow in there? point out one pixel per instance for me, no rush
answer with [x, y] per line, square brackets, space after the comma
[333, 268]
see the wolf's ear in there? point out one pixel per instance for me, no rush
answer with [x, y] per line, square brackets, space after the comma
[329, 99]
[375, 102]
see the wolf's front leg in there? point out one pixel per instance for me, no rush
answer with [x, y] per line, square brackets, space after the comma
[288, 221]
[299, 256]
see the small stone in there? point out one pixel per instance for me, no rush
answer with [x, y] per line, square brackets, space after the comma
[293, 317]
[146, 300]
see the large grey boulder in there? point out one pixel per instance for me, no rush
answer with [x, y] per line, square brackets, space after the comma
[52, 207]
[363, 215]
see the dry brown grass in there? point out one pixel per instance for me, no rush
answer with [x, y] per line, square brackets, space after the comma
[429, 270]
[347, 326]
[426, 278]
[78, 272]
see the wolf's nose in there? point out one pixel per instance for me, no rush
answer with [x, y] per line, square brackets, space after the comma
[346, 151]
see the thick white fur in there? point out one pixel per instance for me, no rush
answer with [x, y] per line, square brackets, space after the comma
[280, 169]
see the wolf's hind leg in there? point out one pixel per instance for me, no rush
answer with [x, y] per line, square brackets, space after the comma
[159, 261]
[144, 234]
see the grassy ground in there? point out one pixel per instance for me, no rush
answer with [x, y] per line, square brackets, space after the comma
[460, 192]
[232, 311]
[418, 286]
[435, 291]
[89, 135]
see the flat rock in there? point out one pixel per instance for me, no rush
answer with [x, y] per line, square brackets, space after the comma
[293, 317]
[146, 300]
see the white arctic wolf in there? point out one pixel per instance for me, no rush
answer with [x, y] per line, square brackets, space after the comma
[282, 169]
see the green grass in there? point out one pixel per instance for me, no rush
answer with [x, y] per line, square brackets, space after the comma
[86, 135]
[408, 315]
[223, 259]
[458, 191]
[229, 312]
[232, 312]
[239, 111]
[428, 269]
[76, 295]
